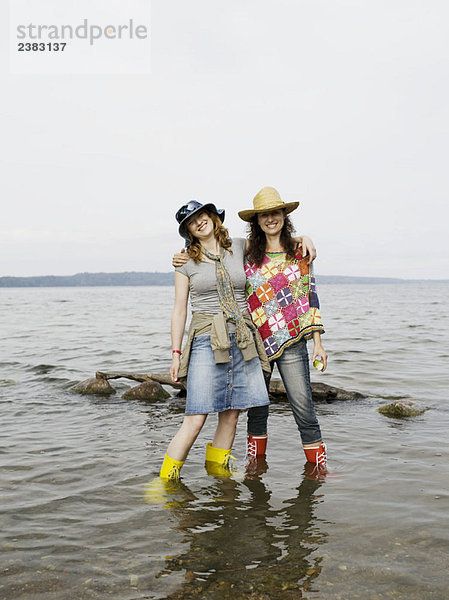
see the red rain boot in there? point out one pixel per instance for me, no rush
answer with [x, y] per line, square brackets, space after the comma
[257, 445]
[256, 463]
[317, 456]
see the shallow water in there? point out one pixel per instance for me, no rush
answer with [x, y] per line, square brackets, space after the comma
[74, 519]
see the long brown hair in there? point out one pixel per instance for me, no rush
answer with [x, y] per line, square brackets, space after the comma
[221, 235]
[258, 241]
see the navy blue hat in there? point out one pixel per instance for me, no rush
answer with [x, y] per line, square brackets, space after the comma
[189, 209]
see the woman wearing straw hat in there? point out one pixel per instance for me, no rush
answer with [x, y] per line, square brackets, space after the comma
[221, 359]
[286, 312]
[282, 301]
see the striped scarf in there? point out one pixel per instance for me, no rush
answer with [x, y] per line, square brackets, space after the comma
[226, 297]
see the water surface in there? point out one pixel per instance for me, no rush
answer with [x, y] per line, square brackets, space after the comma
[74, 520]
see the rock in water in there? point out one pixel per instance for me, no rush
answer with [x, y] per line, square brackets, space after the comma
[328, 393]
[94, 385]
[148, 390]
[401, 409]
[321, 392]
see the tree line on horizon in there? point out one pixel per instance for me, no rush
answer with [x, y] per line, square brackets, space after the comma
[133, 278]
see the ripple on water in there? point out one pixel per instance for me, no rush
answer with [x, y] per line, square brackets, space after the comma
[42, 369]
[7, 382]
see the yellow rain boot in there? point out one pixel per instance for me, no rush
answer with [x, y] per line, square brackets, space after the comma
[170, 469]
[218, 461]
[159, 488]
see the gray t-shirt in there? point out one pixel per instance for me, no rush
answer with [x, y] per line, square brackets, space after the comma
[203, 281]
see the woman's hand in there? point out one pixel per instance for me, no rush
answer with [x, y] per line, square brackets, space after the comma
[319, 352]
[174, 369]
[180, 258]
[308, 248]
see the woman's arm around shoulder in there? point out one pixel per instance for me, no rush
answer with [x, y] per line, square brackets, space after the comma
[305, 241]
[180, 258]
[178, 321]
[307, 245]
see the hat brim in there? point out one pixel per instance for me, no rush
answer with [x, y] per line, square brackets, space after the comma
[182, 226]
[288, 207]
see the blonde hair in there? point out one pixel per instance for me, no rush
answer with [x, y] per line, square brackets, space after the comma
[221, 235]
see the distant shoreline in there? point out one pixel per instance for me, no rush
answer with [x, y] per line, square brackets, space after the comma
[133, 278]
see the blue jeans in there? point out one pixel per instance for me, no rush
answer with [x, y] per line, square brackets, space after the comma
[293, 367]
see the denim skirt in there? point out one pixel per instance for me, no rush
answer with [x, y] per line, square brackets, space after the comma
[213, 387]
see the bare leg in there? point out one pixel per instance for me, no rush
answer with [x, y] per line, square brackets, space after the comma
[225, 432]
[182, 442]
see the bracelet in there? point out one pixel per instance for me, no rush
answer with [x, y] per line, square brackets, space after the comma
[177, 352]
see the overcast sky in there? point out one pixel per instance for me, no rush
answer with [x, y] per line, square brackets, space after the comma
[340, 104]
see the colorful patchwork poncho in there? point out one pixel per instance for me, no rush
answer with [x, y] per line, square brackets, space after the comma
[282, 301]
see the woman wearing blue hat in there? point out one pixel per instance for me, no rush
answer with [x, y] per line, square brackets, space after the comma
[284, 307]
[221, 360]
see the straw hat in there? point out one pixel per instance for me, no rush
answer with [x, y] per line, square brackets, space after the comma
[266, 200]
